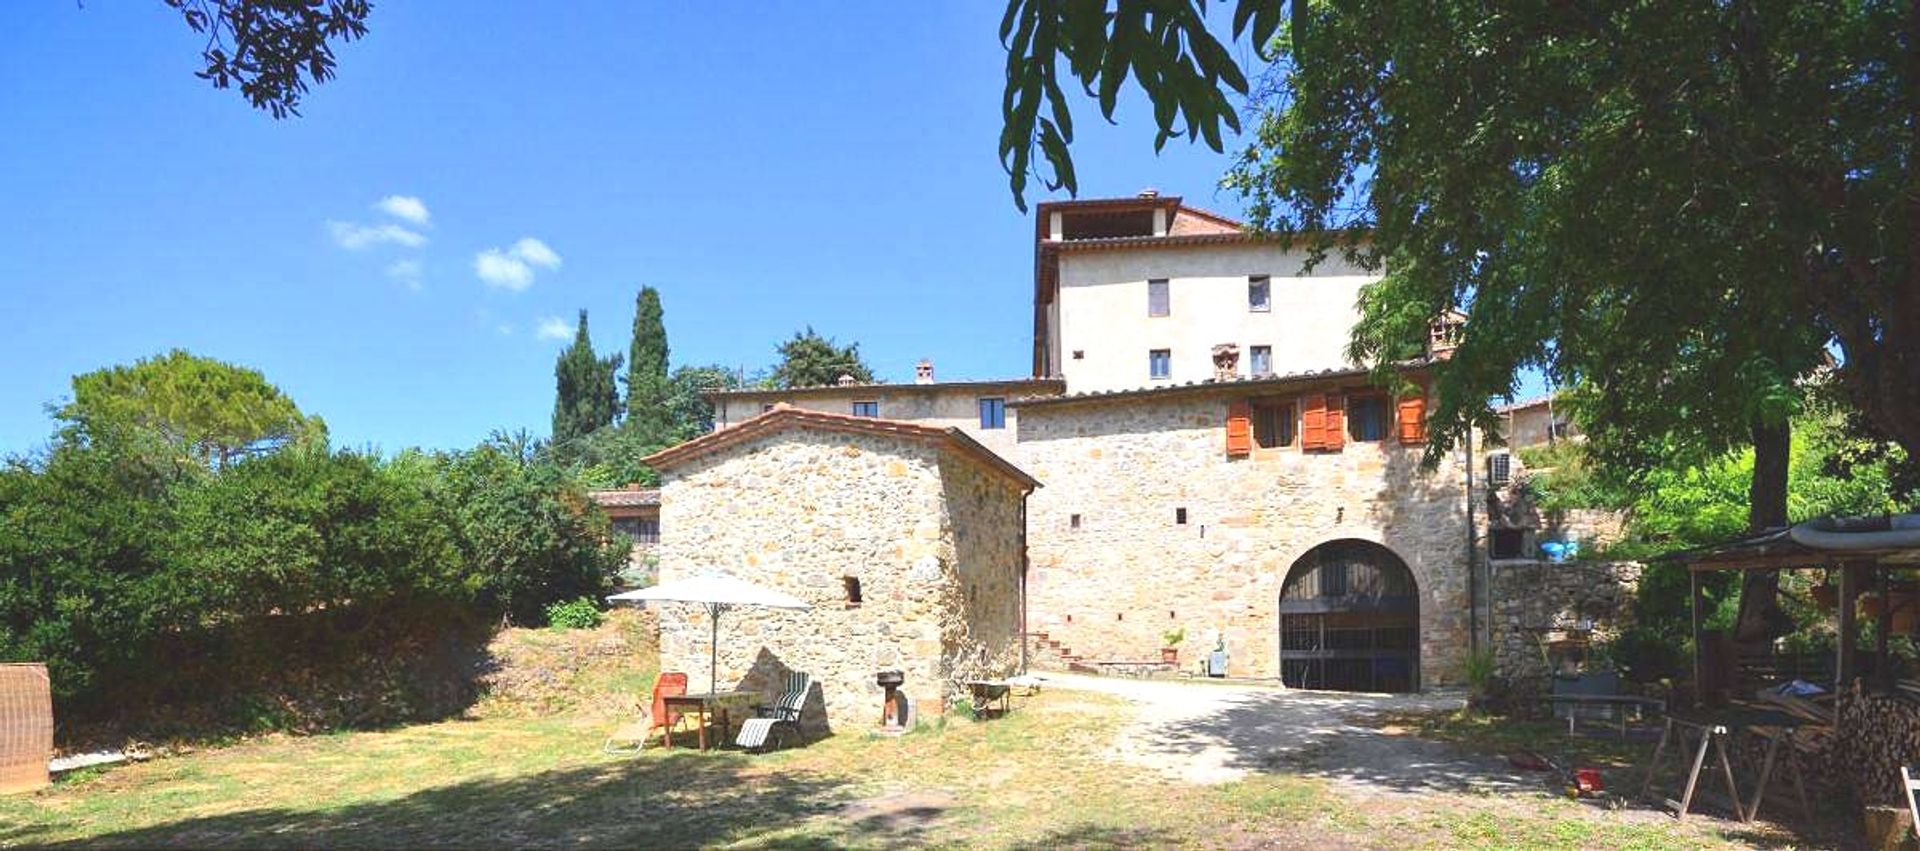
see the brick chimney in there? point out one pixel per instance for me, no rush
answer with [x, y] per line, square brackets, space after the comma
[1149, 192]
[923, 372]
[1443, 335]
[847, 380]
[1226, 362]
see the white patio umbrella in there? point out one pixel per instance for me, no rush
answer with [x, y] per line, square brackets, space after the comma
[718, 593]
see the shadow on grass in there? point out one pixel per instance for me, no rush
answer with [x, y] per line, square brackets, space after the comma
[676, 800]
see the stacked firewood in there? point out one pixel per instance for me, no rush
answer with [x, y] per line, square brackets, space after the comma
[1879, 733]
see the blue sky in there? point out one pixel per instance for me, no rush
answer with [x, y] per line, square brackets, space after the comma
[765, 168]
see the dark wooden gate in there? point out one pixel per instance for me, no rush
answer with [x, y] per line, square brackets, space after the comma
[1350, 620]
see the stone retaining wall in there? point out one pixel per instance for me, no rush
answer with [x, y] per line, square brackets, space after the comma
[1535, 602]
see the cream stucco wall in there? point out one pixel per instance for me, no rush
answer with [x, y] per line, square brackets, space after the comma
[1102, 312]
[1109, 588]
[932, 405]
[931, 536]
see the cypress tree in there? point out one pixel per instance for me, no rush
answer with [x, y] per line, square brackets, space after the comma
[585, 395]
[648, 412]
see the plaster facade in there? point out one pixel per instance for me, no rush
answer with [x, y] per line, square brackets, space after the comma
[931, 536]
[1112, 567]
[943, 404]
[1104, 331]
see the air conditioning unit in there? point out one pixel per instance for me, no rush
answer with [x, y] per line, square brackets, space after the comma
[1499, 469]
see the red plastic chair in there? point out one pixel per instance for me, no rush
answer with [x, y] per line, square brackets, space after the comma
[669, 684]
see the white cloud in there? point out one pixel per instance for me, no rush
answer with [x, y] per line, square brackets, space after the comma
[354, 237]
[406, 273]
[406, 208]
[536, 252]
[553, 328]
[505, 329]
[503, 271]
[512, 269]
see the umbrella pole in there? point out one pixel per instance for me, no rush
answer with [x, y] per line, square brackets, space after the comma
[713, 649]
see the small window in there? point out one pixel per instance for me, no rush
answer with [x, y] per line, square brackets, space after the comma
[1160, 363]
[1158, 303]
[1274, 423]
[852, 584]
[866, 409]
[1499, 469]
[765, 407]
[1079, 354]
[993, 413]
[642, 530]
[1367, 418]
[1260, 294]
[1073, 522]
[1180, 516]
[1260, 360]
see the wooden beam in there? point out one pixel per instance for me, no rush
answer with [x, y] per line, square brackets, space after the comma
[1699, 647]
[1843, 664]
[1882, 671]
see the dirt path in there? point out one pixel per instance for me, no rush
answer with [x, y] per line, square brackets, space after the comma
[1213, 733]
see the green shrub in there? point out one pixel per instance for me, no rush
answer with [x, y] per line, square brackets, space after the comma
[582, 613]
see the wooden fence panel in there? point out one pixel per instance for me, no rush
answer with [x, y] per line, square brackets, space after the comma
[26, 726]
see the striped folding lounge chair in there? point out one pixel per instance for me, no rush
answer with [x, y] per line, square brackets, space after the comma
[764, 730]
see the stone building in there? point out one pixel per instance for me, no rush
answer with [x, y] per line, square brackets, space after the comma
[635, 513]
[1213, 465]
[907, 540]
[1286, 515]
[979, 408]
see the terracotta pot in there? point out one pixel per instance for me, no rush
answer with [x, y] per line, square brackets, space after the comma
[1170, 655]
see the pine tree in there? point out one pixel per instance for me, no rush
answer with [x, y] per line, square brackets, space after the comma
[648, 389]
[810, 360]
[585, 394]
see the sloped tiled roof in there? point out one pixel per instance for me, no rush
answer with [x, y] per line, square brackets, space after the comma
[1205, 386]
[633, 497]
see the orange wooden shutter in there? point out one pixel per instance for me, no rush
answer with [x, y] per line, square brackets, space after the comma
[1413, 420]
[1313, 422]
[1336, 432]
[1239, 429]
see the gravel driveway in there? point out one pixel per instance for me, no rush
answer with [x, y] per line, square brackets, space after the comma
[1214, 733]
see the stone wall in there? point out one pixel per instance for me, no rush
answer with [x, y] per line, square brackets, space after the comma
[1108, 588]
[984, 512]
[808, 512]
[1535, 602]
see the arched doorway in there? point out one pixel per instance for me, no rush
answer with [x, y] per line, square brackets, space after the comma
[1350, 620]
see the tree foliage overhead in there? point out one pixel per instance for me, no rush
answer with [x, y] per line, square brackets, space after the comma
[1678, 205]
[586, 393]
[648, 386]
[274, 49]
[185, 406]
[811, 360]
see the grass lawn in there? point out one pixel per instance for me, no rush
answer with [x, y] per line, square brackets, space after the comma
[527, 770]
[1037, 779]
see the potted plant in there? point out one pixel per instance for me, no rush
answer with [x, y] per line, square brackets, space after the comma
[1170, 652]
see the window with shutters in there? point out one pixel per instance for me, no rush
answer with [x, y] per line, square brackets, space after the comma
[1367, 418]
[1160, 363]
[1274, 423]
[1158, 301]
[993, 413]
[1260, 294]
[1260, 360]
